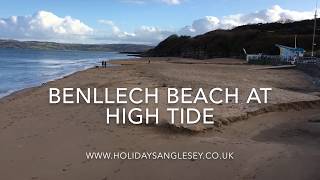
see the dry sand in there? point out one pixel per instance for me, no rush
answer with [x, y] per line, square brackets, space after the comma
[280, 140]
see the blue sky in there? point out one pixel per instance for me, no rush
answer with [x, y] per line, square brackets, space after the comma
[128, 15]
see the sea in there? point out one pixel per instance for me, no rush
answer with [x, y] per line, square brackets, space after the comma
[25, 68]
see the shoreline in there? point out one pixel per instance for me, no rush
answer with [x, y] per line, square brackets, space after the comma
[25, 90]
[221, 119]
[137, 61]
[264, 142]
[40, 84]
[13, 92]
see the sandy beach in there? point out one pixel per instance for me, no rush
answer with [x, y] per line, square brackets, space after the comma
[278, 140]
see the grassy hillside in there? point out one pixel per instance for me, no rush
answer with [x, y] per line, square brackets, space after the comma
[81, 47]
[256, 38]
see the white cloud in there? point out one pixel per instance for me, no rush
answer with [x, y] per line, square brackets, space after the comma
[141, 35]
[200, 26]
[274, 14]
[115, 29]
[169, 2]
[43, 25]
[46, 26]
[172, 2]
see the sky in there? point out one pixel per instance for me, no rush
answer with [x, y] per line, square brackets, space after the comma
[137, 21]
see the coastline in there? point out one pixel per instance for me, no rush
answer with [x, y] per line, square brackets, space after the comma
[27, 89]
[25, 68]
[297, 104]
[264, 141]
[39, 84]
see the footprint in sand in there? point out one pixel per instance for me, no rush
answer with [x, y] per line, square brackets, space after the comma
[67, 167]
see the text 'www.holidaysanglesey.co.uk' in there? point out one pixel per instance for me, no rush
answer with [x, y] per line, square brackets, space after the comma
[160, 155]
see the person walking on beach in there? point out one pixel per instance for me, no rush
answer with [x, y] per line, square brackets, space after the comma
[104, 64]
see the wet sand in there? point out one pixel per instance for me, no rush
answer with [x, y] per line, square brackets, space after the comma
[280, 140]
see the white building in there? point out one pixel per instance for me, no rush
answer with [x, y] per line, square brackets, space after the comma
[289, 53]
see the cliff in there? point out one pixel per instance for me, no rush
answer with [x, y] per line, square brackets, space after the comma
[81, 47]
[255, 38]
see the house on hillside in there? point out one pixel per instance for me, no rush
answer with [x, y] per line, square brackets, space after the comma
[289, 54]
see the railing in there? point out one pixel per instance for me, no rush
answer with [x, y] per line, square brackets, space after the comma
[257, 57]
[276, 59]
[264, 59]
[308, 60]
